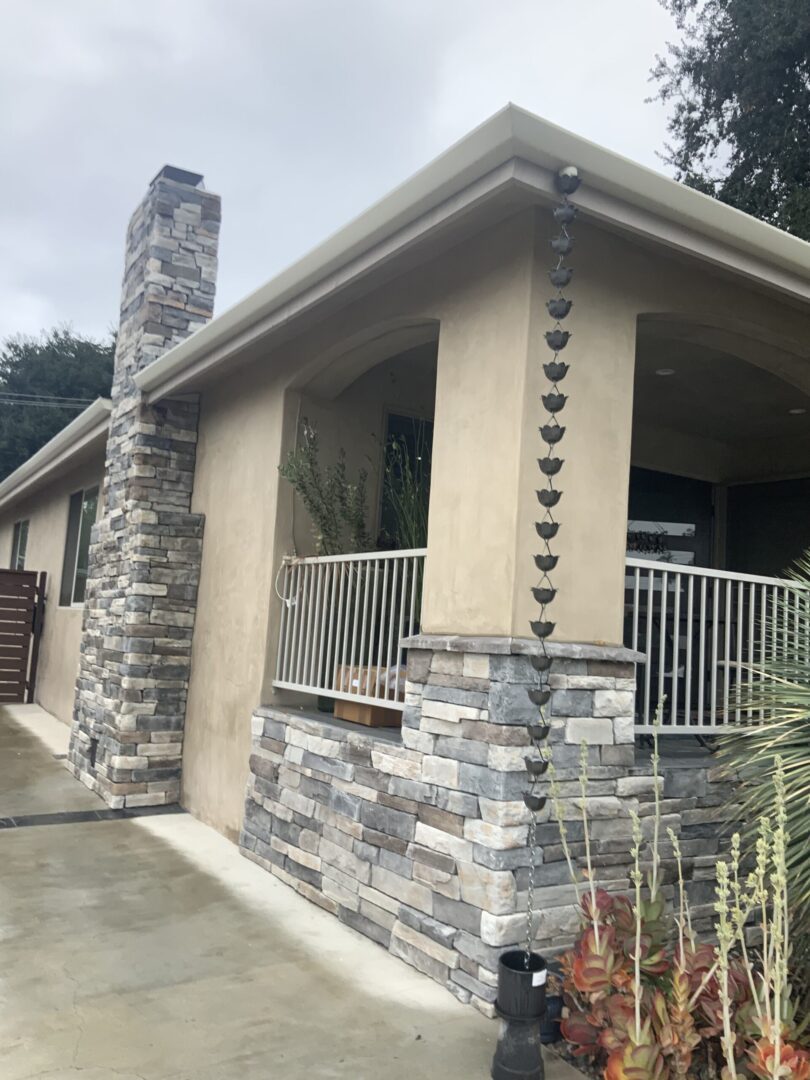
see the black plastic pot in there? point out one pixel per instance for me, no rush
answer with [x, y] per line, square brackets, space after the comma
[521, 1005]
[550, 1028]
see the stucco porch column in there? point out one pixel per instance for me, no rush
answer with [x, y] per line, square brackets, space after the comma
[483, 506]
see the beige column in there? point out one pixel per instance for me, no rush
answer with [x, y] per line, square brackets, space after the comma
[478, 436]
[596, 446]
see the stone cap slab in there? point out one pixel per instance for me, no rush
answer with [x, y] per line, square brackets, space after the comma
[514, 646]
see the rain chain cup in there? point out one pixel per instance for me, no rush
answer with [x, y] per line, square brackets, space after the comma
[521, 1002]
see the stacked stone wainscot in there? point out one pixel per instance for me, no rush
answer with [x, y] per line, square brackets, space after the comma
[421, 845]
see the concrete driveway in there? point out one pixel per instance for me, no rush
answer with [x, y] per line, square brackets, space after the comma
[148, 949]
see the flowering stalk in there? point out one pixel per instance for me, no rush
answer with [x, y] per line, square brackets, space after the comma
[559, 813]
[725, 940]
[583, 787]
[636, 877]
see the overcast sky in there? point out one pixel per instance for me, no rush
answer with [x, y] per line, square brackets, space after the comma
[298, 112]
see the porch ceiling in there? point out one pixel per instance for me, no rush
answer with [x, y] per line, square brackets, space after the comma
[714, 395]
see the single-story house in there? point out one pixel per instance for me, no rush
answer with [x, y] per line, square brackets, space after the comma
[205, 650]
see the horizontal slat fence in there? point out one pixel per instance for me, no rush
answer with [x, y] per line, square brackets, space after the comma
[343, 619]
[704, 633]
[21, 602]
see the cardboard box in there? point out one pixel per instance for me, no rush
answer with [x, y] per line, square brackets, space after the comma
[358, 681]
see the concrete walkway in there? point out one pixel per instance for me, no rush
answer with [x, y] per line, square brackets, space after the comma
[149, 949]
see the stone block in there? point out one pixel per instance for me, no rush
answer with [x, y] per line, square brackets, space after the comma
[386, 820]
[440, 771]
[613, 702]
[437, 840]
[418, 665]
[457, 914]
[409, 892]
[426, 944]
[491, 890]
[408, 768]
[440, 819]
[474, 986]
[513, 812]
[500, 837]
[571, 703]
[449, 712]
[589, 729]
[460, 803]
[447, 663]
[461, 749]
[475, 665]
[360, 921]
[454, 695]
[418, 959]
[439, 932]
[508, 758]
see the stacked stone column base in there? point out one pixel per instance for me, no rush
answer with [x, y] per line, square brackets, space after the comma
[422, 846]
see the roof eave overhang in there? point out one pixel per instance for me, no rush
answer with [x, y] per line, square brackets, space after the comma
[516, 149]
[68, 446]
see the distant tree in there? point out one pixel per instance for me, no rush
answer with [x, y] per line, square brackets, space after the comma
[739, 81]
[39, 377]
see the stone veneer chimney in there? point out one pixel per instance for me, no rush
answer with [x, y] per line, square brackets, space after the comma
[127, 734]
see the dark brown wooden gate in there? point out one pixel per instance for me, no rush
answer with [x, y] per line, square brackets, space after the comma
[22, 610]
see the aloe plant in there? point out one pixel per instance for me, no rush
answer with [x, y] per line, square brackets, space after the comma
[774, 702]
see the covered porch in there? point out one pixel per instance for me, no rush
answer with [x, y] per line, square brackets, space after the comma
[718, 512]
[718, 515]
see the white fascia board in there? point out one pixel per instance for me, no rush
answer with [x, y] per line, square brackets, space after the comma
[510, 135]
[87, 427]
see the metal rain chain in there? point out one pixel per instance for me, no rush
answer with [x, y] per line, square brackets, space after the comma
[521, 972]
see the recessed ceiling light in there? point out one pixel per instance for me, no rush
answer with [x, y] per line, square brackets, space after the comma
[665, 371]
[797, 412]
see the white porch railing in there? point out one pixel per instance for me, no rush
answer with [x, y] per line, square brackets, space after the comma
[704, 632]
[342, 624]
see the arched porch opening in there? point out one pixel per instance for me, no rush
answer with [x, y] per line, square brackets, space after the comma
[357, 474]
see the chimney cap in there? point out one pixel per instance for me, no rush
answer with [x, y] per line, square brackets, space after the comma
[182, 176]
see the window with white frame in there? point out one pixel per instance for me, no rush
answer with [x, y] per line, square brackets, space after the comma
[81, 518]
[18, 545]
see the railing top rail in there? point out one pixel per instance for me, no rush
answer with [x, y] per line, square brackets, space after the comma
[361, 556]
[704, 571]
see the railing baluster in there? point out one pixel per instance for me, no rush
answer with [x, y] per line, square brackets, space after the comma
[326, 681]
[690, 615]
[648, 651]
[727, 657]
[312, 620]
[702, 652]
[636, 590]
[752, 603]
[715, 620]
[381, 673]
[281, 657]
[740, 622]
[393, 606]
[676, 649]
[296, 592]
[662, 638]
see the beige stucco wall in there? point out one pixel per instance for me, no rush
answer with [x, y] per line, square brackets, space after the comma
[47, 512]
[480, 293]
[488, 296]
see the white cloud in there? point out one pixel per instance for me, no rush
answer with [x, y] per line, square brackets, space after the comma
[299, 112]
